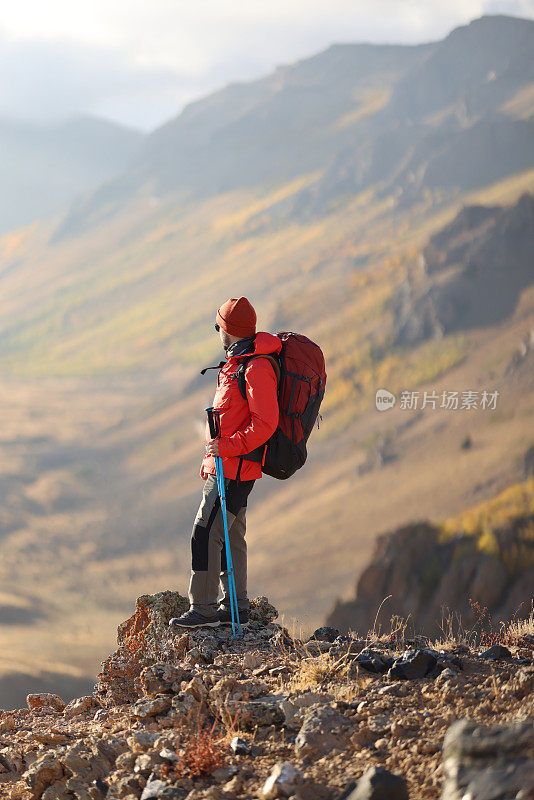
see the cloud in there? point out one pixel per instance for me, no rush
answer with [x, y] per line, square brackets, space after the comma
[140, 62]
[47, 81]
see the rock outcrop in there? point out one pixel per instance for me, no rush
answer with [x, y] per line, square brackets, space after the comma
[429, 579]
[470, 274]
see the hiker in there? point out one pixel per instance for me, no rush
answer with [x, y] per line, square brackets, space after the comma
[246, 423]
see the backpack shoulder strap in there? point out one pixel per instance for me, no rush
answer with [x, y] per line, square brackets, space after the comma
[240, 372]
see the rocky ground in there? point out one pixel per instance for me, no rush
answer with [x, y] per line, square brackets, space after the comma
[202, 715]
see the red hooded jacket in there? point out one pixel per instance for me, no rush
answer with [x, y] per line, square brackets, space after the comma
[245, 424]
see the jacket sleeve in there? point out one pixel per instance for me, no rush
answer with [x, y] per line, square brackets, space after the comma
[261, 386]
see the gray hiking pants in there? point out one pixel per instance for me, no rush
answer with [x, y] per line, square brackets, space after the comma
[208, 553]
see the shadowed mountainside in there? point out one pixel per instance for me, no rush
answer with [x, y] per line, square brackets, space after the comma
[459, 117]
[470, 274]
[265, 132]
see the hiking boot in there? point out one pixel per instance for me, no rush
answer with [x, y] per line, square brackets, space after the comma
[193, 619]
[224, 615]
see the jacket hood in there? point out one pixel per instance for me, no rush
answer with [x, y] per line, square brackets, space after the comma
[261, 344]
[266, 343]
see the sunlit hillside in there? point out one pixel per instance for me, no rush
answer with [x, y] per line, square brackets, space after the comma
[106, 318]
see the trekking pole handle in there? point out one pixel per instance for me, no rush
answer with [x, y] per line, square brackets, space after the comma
[213, 424]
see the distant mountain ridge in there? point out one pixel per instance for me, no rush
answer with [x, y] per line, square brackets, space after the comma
[247, 133]
[408, 118]
[444, 127]
[43, 166]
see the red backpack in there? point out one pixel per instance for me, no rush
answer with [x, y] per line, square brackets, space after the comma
[301, 375]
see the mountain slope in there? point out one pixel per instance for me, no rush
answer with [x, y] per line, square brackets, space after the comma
[452, 122]
[476, 68]
[251, 134]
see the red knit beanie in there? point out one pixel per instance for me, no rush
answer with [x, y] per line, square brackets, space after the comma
[237, 317]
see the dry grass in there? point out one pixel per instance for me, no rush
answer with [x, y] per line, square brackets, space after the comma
[518, 629]
[454, 632]
[316, 672]
[230, 721]
[317, 669]
[483, 632]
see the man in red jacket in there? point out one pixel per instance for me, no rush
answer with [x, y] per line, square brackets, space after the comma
[245, 427]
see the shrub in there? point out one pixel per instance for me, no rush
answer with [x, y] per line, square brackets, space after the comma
[200, 752]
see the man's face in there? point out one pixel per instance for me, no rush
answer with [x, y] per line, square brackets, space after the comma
[226, 339]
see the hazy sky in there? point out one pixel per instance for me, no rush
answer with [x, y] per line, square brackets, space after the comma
[140, 61]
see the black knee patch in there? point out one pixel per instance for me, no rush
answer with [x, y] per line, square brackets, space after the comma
[199, 541]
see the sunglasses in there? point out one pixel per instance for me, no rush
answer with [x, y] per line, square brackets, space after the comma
[217, 327]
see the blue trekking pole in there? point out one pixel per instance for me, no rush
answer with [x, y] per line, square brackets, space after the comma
[215, 431]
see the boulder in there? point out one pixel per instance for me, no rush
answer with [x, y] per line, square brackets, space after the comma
[151, 706]
[261, 611]
[156, 789]
[251, 713]
[152, 614]
[141, 640]
[58, 791]
[447, 674]
[377, 783]
[325, 633]
[282, 782]
[494, 761]
[412, 664]
[11, 759]
[162, 678]
[323, 729]
[80, 705]
[371, 661]
[45, 703]
[240, 747]
[496, 652]
[141, 740]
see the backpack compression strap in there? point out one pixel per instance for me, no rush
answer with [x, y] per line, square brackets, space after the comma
[217, 366]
